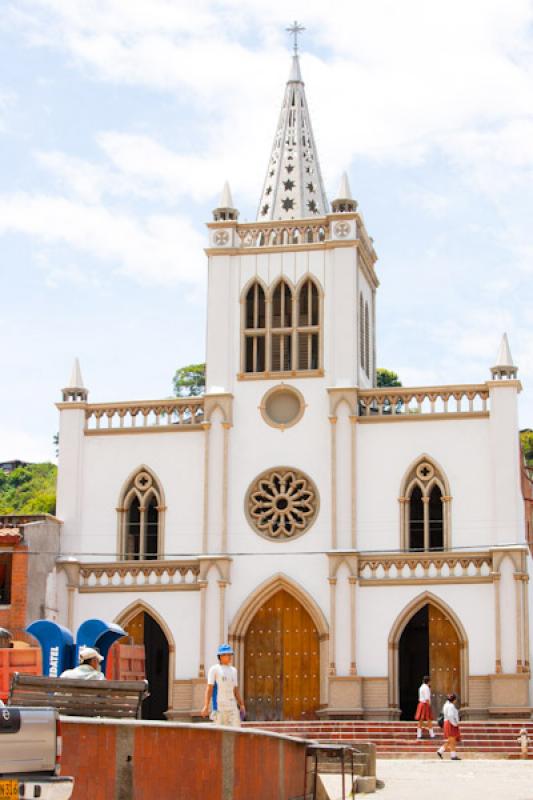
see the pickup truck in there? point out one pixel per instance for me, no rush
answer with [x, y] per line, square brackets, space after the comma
[30, 754]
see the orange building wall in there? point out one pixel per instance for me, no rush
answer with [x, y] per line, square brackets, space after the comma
[135, 760]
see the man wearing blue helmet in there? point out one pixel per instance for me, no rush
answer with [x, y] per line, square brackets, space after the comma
[222, 689]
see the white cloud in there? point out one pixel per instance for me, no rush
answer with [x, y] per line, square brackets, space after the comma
[159, 248]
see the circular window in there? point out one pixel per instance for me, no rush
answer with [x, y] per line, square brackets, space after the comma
[282, 503]
[282, 406]
[143, 481]
[425, 471]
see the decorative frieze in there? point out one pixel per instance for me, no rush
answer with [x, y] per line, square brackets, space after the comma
[174, 414]
[139, 576]
[380, 569]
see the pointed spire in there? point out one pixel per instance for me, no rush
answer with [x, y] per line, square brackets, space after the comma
[225, 209]
[344, 200]
[504, 367]
[226, 200]
[295, 75]
[293, 187]
[76, 381]
[75, 391]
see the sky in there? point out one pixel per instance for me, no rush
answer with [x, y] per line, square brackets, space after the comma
[120, 120]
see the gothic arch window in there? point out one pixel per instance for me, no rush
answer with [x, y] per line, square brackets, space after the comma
[308, 326]
[255, 329]
[282, 326]
[141, 518]
[361, 331]
[367, 341]
[425, 508]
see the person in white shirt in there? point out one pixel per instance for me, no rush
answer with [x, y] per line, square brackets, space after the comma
[452, 733]
[423, 714]
[223, 691]
[88, 668]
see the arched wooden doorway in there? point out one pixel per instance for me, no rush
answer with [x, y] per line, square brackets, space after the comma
[144, 629]
[281, 661]
[430, 644]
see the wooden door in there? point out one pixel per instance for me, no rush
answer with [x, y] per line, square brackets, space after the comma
[444, 658]
[281, 661]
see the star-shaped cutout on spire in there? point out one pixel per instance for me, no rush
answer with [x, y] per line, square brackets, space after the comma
[288, 203]
[289, 167]
[289, 185]
[311, 205]
[311, 187]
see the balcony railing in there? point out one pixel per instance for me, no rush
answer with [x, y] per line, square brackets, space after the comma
[436, 401]
[139, 576]
[428, 567]
[175, 414]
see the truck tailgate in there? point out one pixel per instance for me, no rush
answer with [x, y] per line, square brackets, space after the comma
[27, 740]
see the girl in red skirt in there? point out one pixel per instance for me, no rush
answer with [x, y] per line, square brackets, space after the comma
[452, 734]
[423, 710]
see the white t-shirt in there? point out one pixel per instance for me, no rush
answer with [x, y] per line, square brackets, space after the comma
[451, 712]
[83, 672]
[424, 694]
[225, 677]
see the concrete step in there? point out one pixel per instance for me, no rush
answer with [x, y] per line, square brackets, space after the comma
[398, 739]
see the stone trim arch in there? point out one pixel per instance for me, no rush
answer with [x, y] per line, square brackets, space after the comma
[245, 614]
[131, 611]
[398, 628]
[128, 492]
[409, 481]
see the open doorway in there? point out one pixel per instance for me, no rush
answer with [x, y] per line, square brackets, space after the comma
[144, 629]
[429, 645]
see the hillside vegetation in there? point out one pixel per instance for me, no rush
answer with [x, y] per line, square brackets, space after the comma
[29, 490]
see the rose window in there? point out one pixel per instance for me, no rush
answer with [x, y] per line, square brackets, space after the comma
[282, 503]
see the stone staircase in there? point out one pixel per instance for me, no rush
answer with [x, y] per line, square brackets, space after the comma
[491, 739]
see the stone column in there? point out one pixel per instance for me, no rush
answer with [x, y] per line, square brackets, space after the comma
[333, 421]
[333, 625]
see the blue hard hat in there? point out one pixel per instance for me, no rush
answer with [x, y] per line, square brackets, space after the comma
[225, 650]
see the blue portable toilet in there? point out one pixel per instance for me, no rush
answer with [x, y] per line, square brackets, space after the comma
[57, 645]
[99, 634]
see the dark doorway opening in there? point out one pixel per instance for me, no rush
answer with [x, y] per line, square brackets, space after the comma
[414, 661]
[144, 630]
[156, 645]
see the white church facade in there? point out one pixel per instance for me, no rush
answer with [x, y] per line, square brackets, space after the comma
[345, 539]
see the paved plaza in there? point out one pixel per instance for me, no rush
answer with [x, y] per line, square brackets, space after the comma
[471, 779]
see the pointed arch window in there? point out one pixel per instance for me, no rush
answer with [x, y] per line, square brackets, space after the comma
[141, 518]
[255, 329]
[281, 328]
[361, 331]
[308, 330]
[425, 509]
[367, 341]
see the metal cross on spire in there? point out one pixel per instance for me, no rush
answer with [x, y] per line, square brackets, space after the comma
[295, 29]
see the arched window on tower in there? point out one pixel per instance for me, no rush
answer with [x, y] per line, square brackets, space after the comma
[361, 330]
[281, 325]
[425, 508]
[367, 341]
[309, 328]
[141, 513]
[255, 329]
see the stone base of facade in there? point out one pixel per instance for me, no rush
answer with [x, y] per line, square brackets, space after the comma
[353, 697]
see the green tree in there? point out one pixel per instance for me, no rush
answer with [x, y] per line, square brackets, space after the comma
[29, 490]
[189, 381]
[386, 377]
[526, 440]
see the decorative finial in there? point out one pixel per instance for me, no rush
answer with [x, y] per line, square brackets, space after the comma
[295, 29]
